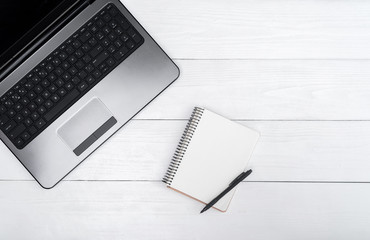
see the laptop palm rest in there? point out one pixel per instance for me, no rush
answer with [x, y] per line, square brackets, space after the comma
[86, 126]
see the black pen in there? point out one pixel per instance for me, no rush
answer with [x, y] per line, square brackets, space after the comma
[235, 182]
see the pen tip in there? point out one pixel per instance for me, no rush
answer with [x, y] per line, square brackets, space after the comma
[202, 210]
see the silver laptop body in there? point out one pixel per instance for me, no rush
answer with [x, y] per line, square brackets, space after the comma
[102, 111]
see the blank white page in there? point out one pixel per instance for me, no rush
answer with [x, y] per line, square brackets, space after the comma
[217, 153]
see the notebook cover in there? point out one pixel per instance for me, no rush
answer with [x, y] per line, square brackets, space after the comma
[217, 152]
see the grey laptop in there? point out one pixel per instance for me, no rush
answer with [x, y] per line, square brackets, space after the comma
[72, 73]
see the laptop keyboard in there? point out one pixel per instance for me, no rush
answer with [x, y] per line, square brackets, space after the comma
[68, 73]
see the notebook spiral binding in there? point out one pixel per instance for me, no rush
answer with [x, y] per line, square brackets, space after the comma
[183, 145]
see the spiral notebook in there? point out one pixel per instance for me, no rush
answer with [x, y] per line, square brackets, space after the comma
[212, 152]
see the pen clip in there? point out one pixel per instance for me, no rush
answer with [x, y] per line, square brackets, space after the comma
[237, 178]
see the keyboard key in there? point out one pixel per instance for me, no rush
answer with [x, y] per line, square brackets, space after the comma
[45, 83]
[28, 86]
[118, 43]
[96, 50]
[25, 112]
[65, 65]
[11, 113]
[72, 70]
[56, 61]
[69, 98]
[70, 50]
[28, 122]
[59, 83]
[82, 74]
[120, 53]
[90, 80]
[53, 88]
[100, 35]
[18, 107]
[82, 86]
[32, 106]
[72, 59]
[35, 116]
[119, 31]
[63, 56]
[3, 119]
[106, 42]
[31, 94]
[123, 23]
[113, 11]
[58, 71]
[18, 118]
[24, 101]
[96, 73]
[107, 17]
[89, 68]
[76, 44]
[130, 44]
[93, 42]
[101, 58]
[9, 126]
[86, 58]
[85, 36]
[8, 103]
[22, 91]
[38, 89]
[49, 67]
[86, 47]
[41, 110]
[17, 131]
[62, 92]
[68, 86]
[80, 64]
[48, 104]
[94, 29]
[32, 130]
[112, 49]
[55, 98]
[2, 109]
[19, 142]
[25, 136]
[110, 62]
[79, 54]
[52, 77]
[66, 76]
[113, 24]
[76, 80]
[106, 30]
[39, 101]
[40, 123]
[100, 23]
[46, 94]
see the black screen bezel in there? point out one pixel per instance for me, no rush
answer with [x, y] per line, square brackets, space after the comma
[29, 37]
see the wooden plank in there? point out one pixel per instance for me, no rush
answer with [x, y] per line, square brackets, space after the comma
[287, 151]
[147, 210]
[291, 29]
[285, 90]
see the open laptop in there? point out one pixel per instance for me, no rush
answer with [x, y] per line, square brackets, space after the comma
[72, 73]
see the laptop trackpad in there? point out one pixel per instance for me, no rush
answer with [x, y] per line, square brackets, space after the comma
[86, 126]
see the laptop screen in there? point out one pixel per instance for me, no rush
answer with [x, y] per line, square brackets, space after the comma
[22, 20]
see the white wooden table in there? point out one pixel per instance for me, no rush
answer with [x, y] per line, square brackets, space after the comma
[296, 71]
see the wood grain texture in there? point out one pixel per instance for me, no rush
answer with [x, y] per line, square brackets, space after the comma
[263, 29]
[284, 90]
[287, 151]
[296, 71]
[148, 210]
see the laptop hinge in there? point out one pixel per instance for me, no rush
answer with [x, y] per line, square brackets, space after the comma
[43, 37]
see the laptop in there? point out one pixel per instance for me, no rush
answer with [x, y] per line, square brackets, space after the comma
[72, 73]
